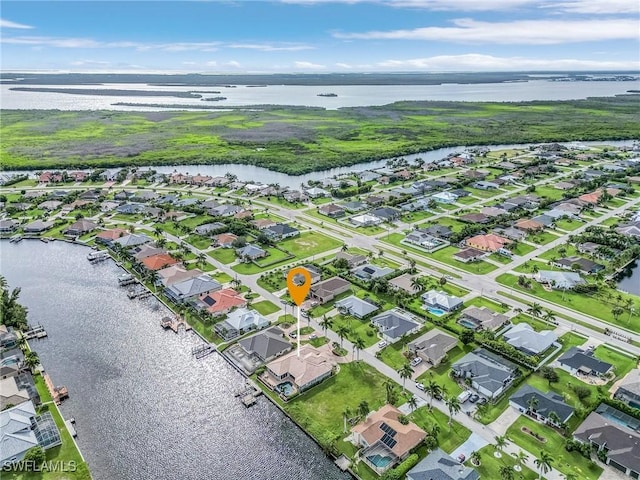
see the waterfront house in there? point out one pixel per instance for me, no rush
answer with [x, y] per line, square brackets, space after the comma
[356, 307]
[440, 300]
[146, 250]
[327, 290]
[385, 441]
[156, 262]
[293, 373]
[439, 465]
[192, 287]
[222, 301]
[240, 321]
[490, 374]
[316, 192]
[488, 243]
[295, 196]
[540, 406]
[630, 229]
[251, 252]
[583, 362]
[266, 345]
[80, 227]
[604, 430]
[176, 273]
[584, 265]
[369, 271]
[280, 231]
[433, 346]
[10, 394]
[332, 210]
[365, 220]
[524, 338]
[132, 240]
[8, 226]
[444, 197]
[628, 390]
[482, 318]
[21, 429]
[558, 280]
[8, 338]
[393, 324]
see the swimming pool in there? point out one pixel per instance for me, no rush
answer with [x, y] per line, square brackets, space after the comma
[438, 312]
[379, 461]
[466, 323]
[12, 360]
[286, 388]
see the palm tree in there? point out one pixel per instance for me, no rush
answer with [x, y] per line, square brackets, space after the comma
[532, 404]
[326, 323]
[390, 389]
[405, 372]
[342, 332]
[554, 418]
[359, 344]
[475, 458]
[433, 390]
[549, 316]
[363, 409]
[435, 430]
[570, 476]
[453, 404]
[346, 413]
[201, 258]
[344, 247]
[543, 463]
[507, 472]
[413, 403]
[617, 311]
[521, 458]
[31, 360]
[501, 442]
[535, 310]
[417, 285]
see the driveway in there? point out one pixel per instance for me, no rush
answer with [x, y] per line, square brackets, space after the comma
[474, 443]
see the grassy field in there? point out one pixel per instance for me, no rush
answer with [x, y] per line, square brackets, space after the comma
[300, 140]
[485, 302]
[357, 329]
[449, 438]
[621, 362]
[440, 374]
[566, 462]
[223, 255]
[265, 307]
[490, 465]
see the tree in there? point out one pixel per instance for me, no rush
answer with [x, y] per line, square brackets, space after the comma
[521, 458]
[549, 316]
[31, 360]
[581, 392]
[535, 310]
[467, 336]
[507, 472]
[433, 390]
[532, 404]
[363, 409]
[475, 458]
[554, 418]
[390, 390]
[405, 372]
[417, 285]
[341, 264]
[34, 457]
[453, 404]
[549, 374]
[346, 413]
[413, 403]
[359, 344]
[342, 332]
[617, 311]
[501, 442]
[326, 323]
[543, 463]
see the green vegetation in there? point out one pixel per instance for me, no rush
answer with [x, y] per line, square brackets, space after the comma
[448, 438]
[622, 363]
[490, 465]
[301, 140]
[265, 307]
[485, 302]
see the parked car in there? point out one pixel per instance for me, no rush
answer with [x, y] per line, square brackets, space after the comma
[420, 386]
[416, 361]
[304, 313]
[482, 401]
[293, 334]
[474, 398]
[312, 336]
[464, 396]
[462, 458]
[382, 344]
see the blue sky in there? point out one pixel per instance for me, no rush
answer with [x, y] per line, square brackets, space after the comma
[320, 35]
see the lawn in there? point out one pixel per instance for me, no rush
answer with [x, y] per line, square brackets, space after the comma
[448, 438]
[412, 217]
[485, 302]
[193, 222]
[198, 241]
[273, 281]
[548, 192]
[621, 362]
[566, 462]
[440, 374]
[536, 324]
[357, 329]
[588, 305]
[483, 193]
[496, 257]
[522, 249]
[563, 387]
[542, 238]
[568, 224]
[222, 277]
[223, 255]
[490, 465]
[560, 251]
[265, 307]
[444, 255]
[308, 244]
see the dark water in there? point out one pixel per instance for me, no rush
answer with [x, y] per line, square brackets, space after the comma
[145, 409]
[629, 280]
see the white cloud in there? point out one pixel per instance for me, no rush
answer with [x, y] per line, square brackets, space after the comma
[70, 42]
[473, 62]
[595, 6]
[9, 24]
[233, 64]
[271, 48]
[463, 5]
[344, 65]
[89, 62]
[528, 32]
[309, 65]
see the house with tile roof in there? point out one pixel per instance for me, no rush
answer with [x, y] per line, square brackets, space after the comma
[222, 301]
[488, 243]
[295, 373]
[524, 338]
[433, 346]
[156, 262]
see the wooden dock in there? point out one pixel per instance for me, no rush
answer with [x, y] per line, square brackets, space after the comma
[248, 395]
[57, 393]
[126, 279]
[15, 239]
[35, 332]
[203, 350]
[174, 324]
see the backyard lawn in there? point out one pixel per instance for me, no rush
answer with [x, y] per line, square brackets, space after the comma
[200, 242]
[542, 238]
[566, 462]
[568, 224]
[621, 362]
[448, 438]
[265, 307]
[537, 324]
[309, 243]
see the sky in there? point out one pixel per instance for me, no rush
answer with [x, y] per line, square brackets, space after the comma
[320, 36]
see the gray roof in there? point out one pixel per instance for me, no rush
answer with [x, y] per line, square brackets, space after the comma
[434, 344]
[393, 323]
[486, 369]
[250, 251]
[441, 299]
[523, 337]
[631, 382]
[440, 466]
[546, 402]
[266, 344]
[369, 271]
[194, 286]
[577, 359]
[209, 227]
[280, 229]
[356, 306]
[132, 240]
[560, 279]
[16, 436]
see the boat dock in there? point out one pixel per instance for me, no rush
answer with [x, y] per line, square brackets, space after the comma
[174, 324]
[15, 239]
[99, 256]
[35, 332]
[70, 427]
[126, 279]
[203, 350]
[58, 393]
[248, 395]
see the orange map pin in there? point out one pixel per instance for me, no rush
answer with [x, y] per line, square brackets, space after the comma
[299, 284]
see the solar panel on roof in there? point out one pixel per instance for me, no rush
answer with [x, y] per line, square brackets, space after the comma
[387, 429]
[388, 440]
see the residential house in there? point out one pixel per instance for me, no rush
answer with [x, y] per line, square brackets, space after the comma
[374, 200]
[293, 196]
[110, 175]
[559, 280]
[226, 210]
[176, 273]
[209, 228]
[620, 443]
[367, 176]
[37, 227]
[222, 301]
[440, 300]
[433, 346]
[403, 282]
[11, 394]
[540, 406]
[485, 185]
[569, 207]
[266, 345]
[156, 262]
[263, 223]
[8, 338]
[490, 374]
[327, 290]
[628, 390]
[581, 362]
[393, 324]
[528, 225]
[354, 206]
[251, 252]
[488, 243]
[630, 229]
[130, 208]
[444, 197]
[387, 214]
[524, 338]
[225, 240]
[439, 465]
[492, 211]
[80, 227]
[365, 220]
[50, 177]
[316, 192]
[544, 219]
[439, 231]
[297, 372]
[357, 307]
[469, 255]
[192, 287]
[146, 250]
[353, 259]
[131, 240]
[422, 239]
[8, 226]
[584, 265]
[280, 231]
[385, 441]
[240, 321]
[50, 205]
[21, 429]
[368, 271]
[474, 218]
[332, 210]
[482, 318]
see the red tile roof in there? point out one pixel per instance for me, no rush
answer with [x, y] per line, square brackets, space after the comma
[112, 234]
[156, 262]
[224, 300]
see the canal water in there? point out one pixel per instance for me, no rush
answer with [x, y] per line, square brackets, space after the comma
[629, 279]
[144, 407]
